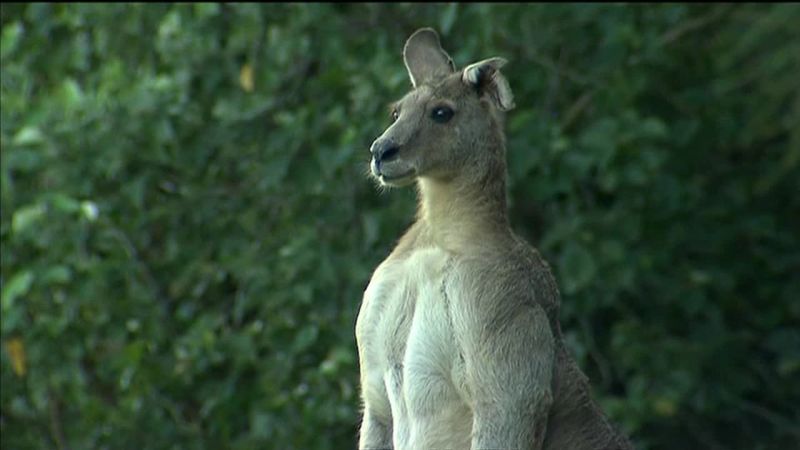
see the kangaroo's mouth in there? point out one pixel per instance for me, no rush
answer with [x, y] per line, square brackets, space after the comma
[393, 173]
[397, 180]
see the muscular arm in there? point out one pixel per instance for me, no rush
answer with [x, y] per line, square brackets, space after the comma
[376, 424]
[374, 435]
[509, 361]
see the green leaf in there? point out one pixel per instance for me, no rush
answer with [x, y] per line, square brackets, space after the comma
[16, 287]
[29, 135]
[89, 210]
[71, 94]
[10, 39]
[59, 274]
[448, 18]
[600, 141]
[206, 10]
[26, 217]
[577, 267]
[305, 337]
[64, 203]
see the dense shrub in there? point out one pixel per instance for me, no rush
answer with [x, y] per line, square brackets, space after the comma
[187, 228]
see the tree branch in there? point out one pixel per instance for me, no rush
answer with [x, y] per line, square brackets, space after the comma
[692, 25]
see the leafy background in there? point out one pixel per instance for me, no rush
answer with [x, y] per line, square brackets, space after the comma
[187, 227]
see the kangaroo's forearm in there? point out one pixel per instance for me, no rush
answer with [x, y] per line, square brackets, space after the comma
[519, 428]
[374, 435]
[511, 374]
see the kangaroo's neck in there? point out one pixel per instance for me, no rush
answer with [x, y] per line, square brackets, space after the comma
[466, 210]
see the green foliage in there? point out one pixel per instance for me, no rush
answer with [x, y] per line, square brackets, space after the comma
[187, 227]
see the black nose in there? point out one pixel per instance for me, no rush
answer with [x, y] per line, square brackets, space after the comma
[384, 150]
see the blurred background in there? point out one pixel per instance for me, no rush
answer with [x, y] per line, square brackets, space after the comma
[187, 226]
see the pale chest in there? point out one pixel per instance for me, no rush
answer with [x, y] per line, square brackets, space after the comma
[412, 368]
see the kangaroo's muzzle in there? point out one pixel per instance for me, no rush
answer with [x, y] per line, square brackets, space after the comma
[387, 165]
[383, 150]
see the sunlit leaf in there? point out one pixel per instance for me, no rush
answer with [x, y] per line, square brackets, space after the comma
[16, 287]
[16, 351]
[246, 78]
[28, 136]
[26, 217]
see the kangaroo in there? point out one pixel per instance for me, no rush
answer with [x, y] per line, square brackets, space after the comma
[458, 335]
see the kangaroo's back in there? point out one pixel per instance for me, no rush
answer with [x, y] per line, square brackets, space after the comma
[575, 421]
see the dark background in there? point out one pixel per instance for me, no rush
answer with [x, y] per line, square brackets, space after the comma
[187, 226]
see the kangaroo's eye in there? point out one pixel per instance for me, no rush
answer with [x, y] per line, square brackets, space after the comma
[441, 114]
[395, 115]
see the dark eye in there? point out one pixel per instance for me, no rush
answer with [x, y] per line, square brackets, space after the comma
[395, 115]
[441, 114]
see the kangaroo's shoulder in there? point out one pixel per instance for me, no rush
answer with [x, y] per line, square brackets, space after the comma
[511, 273]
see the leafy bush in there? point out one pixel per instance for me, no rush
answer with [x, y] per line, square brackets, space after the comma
[187, 228]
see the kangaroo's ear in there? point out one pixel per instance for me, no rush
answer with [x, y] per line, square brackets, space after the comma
[485, 76]
[424, 57]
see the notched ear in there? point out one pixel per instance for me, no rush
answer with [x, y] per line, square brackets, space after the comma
[424, 57]
[485, 76]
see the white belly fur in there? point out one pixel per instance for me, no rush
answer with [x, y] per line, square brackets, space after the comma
[411, 360]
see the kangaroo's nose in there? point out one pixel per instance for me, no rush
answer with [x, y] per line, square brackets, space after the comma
[384, 150]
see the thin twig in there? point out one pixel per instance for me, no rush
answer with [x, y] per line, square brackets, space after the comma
[554, 85]
[576, 109]
[560, 70]
[706, 438]
[692, 25]
[775, 419]
[595, 354]
[147, 275]
[56, 429]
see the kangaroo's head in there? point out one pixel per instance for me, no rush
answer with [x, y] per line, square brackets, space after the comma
[450, 125]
